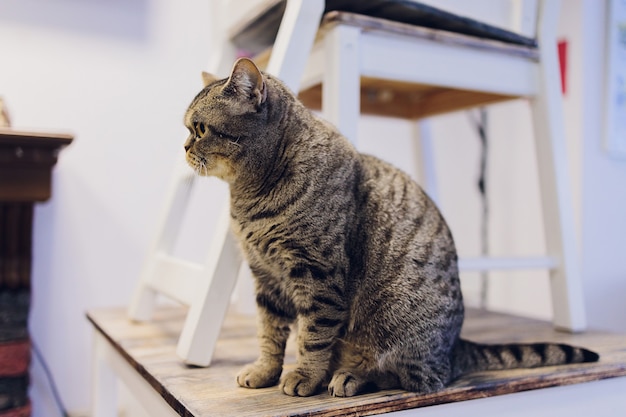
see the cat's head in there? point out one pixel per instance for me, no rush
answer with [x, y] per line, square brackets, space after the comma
[228, 123]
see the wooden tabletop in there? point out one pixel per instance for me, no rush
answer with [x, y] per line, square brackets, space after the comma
[26, 161]
[32, 138]
[150, 349]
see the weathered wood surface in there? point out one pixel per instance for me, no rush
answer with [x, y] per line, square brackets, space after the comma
[150, 349]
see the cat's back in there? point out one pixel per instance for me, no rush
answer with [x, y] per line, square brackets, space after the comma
[411, 258]
[402, 219]
[393, 197]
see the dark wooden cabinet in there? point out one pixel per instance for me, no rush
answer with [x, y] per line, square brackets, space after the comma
[26, 161]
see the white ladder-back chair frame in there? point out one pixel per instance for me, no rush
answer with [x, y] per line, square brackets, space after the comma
[338, 60]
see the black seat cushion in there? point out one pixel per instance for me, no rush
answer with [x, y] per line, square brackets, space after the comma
[419, 14]
[261, 33]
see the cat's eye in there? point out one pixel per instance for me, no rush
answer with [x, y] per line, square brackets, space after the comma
[199, 129]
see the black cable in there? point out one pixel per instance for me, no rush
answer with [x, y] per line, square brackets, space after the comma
[50, 379]
[481, 128]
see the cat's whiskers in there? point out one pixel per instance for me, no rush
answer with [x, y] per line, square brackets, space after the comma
[198, 164]
[236, 142]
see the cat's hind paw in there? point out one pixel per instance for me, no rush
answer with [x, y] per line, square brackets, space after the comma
[258, 375]
[344, 384]
[296, 383]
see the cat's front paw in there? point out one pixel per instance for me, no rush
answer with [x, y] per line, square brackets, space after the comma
[258, 375]
[297, 383]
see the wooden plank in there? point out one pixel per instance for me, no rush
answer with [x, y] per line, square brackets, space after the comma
[32, 138]
[191, 391]
[407, 100]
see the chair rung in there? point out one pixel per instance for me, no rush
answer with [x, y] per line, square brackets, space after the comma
[176, 278]
[489, 264]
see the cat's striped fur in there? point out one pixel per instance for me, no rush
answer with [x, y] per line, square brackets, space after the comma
[343, 244]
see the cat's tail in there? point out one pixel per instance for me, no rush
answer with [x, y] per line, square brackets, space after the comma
[471, 357]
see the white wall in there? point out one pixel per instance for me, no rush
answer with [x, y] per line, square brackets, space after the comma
[119, 75]
[604, 188]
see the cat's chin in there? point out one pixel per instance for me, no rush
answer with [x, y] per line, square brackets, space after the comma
[209, 169]
[199, 165]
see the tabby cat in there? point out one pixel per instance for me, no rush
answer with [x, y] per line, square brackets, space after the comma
[341, 243]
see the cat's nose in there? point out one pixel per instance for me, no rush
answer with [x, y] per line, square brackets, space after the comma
[188, 145]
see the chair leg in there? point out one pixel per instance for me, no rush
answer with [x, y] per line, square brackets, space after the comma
[424, 152]
[223, 52]
[341, 86]
[143, 302]
[294, 41]
[209, 304]
[206, 313]
[557, 202]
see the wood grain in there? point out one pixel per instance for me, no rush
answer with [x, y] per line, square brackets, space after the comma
[191, 391]
[403, 99]
[407, 100]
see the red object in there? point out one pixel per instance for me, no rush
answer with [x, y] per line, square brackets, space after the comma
[23, 411]
[14, 358]
[562, 45]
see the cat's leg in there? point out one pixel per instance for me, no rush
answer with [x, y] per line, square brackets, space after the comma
[358, 372]
[424, 375]
[321, 318]
[273, 332]
[316, 337]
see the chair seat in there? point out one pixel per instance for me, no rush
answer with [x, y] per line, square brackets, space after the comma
[261, 32]
[383, 97]
[407, 100]
[418, 14]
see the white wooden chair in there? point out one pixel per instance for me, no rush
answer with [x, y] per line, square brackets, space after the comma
[349, 54]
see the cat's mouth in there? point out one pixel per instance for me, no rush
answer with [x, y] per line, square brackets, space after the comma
[198, 163]
[212, 164]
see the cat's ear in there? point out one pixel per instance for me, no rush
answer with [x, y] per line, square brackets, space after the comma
[246, 80]
[208, 78]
